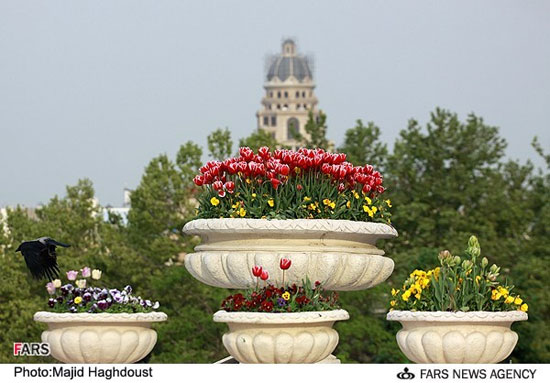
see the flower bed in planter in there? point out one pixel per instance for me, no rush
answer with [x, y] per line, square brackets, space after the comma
[88, 324]
[458, 312]
[303, 337]
[99, 337]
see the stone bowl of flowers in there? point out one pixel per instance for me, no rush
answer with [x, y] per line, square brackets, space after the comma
[309, 206]
[290, 324]
[89, 324]
[458, 312]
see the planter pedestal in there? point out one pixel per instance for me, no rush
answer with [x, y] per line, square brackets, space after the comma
[100, 337]
[456, 337]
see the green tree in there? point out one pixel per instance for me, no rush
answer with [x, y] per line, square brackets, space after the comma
[362, 145]
[316, 129]
[258, 139]
[220, 144]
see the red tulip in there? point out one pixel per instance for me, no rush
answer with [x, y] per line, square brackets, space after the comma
[366, 188]
[257, 271]
[285, 263]
[230, 187]
[198, 180]
[264, 152]
[265, 275]
[218, 185]
[284, 170]
[275, 183]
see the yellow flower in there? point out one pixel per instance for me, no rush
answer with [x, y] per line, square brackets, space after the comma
[374, 209]
[286, 295]
[368, 210]
[348, 204]
[394, 292]
[495, 295]
[332, 205]
[214, 201]
[253, 195]
[355, 194]
[388, 202]
[77, 300]
[248, 181]
[271, 202]
[307, 199]
[369, 201]
[524, 307]
[518, 301]
[326, 201]
[393, 303]
[478, 278]
[236, 205]
[509, 300]
[242, 212]
[311, 206]
[417, 296]
[405, 296]
[503, 291]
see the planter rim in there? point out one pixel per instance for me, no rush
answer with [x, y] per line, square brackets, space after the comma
[311, 226]
[280, 318]
[50, 317]
[459, 316]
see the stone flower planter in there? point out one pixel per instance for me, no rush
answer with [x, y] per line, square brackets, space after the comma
[459, 337]
[99, 337]
[341, 254]
[305, 337]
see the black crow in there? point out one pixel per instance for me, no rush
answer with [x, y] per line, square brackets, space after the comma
[40, 257]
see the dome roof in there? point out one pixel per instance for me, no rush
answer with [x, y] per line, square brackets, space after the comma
[289, 64]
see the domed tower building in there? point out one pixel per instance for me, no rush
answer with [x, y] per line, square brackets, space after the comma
[289, 95]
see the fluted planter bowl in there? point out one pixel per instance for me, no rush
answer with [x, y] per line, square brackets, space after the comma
[306, 337]
[340, 254]
[99, 337]
[456, 337]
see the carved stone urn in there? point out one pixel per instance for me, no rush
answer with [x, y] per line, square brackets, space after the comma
[99, 337]
[303, 337]
[340, 254]
[456, 337]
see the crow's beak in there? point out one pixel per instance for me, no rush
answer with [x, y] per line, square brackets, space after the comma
[18, 248]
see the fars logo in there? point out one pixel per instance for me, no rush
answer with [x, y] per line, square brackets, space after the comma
[31, 349]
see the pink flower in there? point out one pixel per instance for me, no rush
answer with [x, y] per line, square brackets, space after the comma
[50, 288]
[71, 275]
[85, 272]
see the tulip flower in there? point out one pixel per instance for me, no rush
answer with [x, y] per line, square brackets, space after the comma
[264, 276]
[85, 272]
[50, 287]
[284, 264]
[81, 283]
[57, 283]
[96, 274]
[257, 272]
[71, 275]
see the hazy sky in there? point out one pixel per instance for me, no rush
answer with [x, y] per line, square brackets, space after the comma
[97, 88]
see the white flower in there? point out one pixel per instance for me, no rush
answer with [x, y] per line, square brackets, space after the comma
[81, 283]
[57, 283]
[96, 274]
